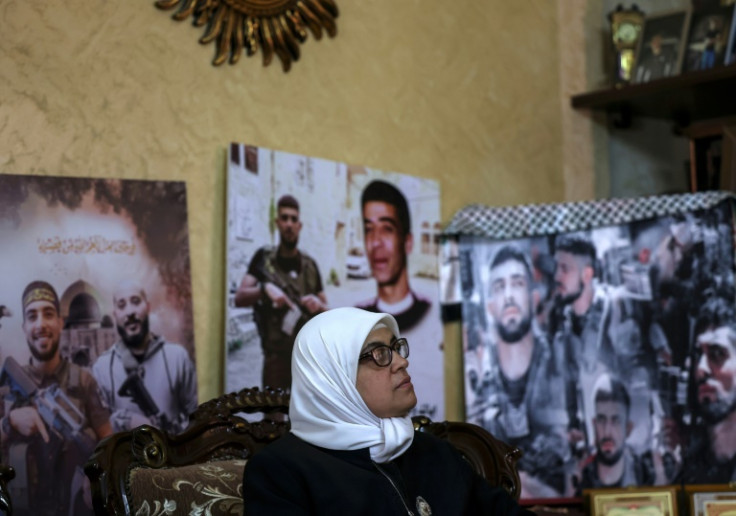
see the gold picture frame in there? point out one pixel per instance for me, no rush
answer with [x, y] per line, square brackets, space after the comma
[633, 501]
[699, 495]
[275, 26]
[720, 508]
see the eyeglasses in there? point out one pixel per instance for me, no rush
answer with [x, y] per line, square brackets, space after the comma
[382, 354]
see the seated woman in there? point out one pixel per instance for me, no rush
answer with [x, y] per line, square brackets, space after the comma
[352, 447]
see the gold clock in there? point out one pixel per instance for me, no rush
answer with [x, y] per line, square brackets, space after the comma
[626, 27]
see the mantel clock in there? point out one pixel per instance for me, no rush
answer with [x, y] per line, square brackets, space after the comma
[626, 28]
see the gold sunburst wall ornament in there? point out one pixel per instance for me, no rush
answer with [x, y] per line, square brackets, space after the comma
[276, 26]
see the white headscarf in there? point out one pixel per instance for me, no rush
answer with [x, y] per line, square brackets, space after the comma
[326, 408]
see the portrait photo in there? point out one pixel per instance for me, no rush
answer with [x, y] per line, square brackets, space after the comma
[708, 38]
[701, 495]
[660, 48]
[306, 234]
[595, 345]
[96, 325]
[633, 502]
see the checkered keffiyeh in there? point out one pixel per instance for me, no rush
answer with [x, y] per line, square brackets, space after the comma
[511, 222]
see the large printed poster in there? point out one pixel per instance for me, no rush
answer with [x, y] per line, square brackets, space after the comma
[96, 328]
[600, 338]
[306, 235]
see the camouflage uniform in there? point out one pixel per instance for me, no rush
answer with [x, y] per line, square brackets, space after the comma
[45, 471]
[301, 276]
[529, 413]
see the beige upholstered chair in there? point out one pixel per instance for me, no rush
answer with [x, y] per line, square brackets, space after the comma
[147, 472]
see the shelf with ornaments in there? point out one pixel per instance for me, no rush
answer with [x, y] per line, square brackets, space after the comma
[684, 99]
[651, 50]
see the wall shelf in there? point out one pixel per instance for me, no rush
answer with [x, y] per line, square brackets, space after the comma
[683, 99]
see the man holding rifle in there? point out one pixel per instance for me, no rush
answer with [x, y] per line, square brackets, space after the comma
[52, 414]
[143, 378]
[284, 287]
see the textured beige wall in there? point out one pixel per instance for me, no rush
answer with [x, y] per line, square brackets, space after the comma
[579, 50]
[464, 92]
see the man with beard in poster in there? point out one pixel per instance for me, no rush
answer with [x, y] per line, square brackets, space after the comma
[48, 460]
[712, 452]
[284, 288]
[580, 340]
[614, 464]
[525, 403]
[603, 330]
[143, 378]
[388, 241]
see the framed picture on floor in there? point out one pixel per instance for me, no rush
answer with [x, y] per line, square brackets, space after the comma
[645, 501]
[700, 495]
[720, 508]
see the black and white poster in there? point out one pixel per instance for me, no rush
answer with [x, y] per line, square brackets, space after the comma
[600, 338]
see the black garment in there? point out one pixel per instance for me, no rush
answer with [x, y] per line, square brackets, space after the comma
[297, 276]
[292, 477]
[701, 465]
[408, 318]
[638, 471]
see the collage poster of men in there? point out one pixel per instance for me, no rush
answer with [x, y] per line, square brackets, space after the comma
[96, 327]
[605, 351]
[305, 235]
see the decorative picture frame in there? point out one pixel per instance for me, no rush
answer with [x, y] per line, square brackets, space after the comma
[720, 508]
[731, 48]
[632, 501]
[708, 36]
[699, 495]
[659, 52]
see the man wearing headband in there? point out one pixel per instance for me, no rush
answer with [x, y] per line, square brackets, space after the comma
[49, 465]
[145, 363]
[352, 448]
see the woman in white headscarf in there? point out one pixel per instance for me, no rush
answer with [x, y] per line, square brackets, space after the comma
[352, 448]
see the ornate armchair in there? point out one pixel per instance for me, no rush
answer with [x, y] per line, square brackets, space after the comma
[7, 474]
[147, 472]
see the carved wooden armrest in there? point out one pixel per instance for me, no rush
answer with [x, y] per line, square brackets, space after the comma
[493, 459]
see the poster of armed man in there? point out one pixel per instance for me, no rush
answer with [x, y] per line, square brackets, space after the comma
[96, 328]
[305, 235]
[600, 338]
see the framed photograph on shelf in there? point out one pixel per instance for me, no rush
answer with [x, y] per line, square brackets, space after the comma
[708, 38]
[631, 501]
[700, 495]
[720, 508]
[661, 46]
[731, 48]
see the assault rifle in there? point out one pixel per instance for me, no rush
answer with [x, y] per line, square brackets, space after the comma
[297, 316]
[134, 388]
[61, 415]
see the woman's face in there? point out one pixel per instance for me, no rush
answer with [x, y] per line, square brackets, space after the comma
[387, 391]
